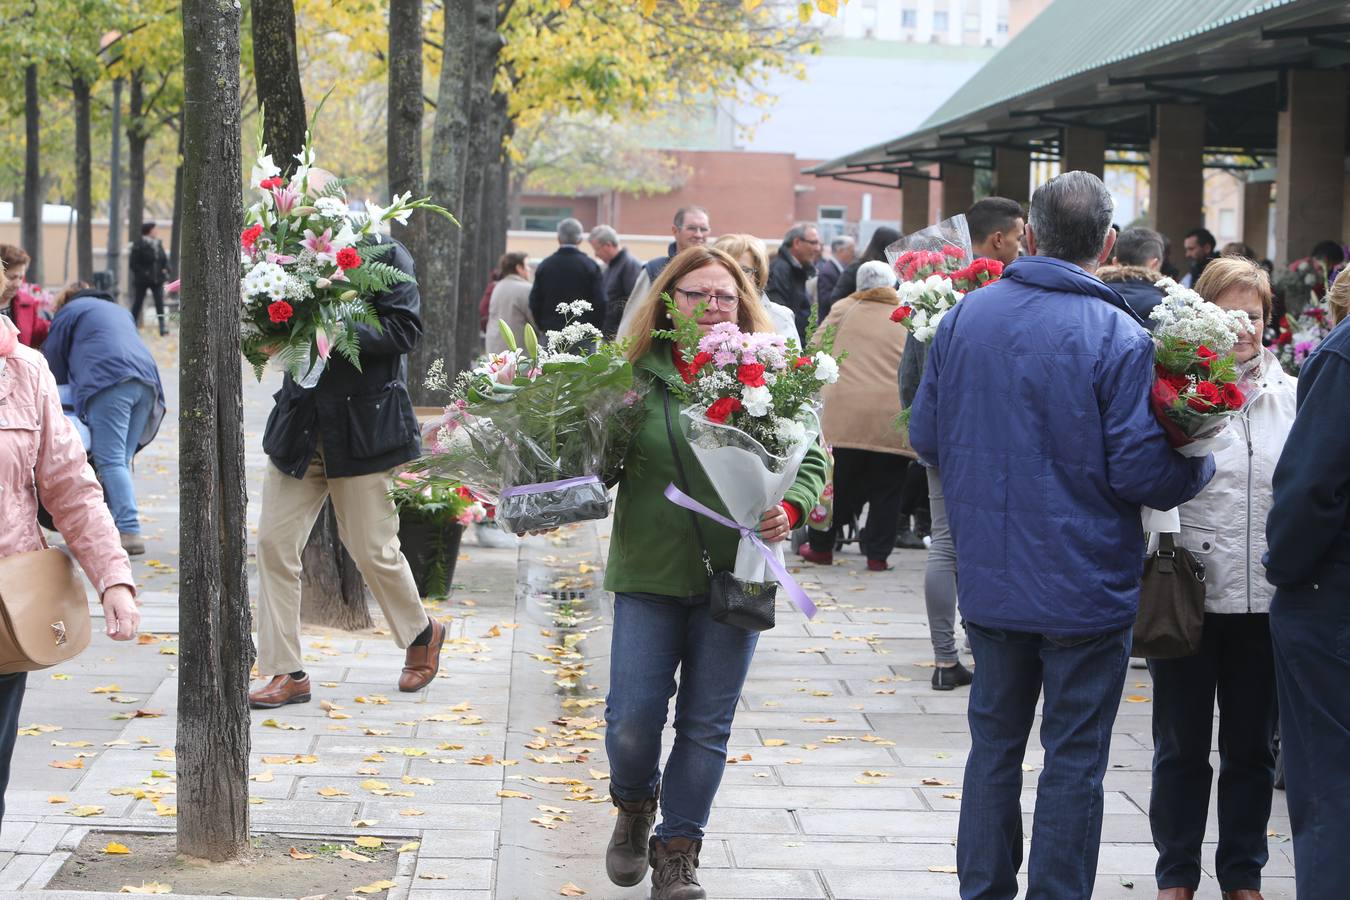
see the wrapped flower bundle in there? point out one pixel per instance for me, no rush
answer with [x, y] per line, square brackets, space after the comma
[539, 430]
[310, 267]
[936, 270]
[1197, 388]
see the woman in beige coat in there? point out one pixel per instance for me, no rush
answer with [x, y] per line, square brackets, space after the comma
[859, 419]
[510, 303]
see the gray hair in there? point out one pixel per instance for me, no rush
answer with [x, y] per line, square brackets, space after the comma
[603, 234]
[1070, 215]
[875, 274]
[840, 243]
[569, 231]
[1137, 246]
[686, 210]
[796, 232]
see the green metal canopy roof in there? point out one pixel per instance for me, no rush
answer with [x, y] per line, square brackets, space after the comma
[1104, 63]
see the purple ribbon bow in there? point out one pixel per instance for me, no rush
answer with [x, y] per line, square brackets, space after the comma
[790, 586]
[545, 486]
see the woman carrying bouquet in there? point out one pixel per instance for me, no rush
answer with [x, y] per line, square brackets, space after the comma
[1222, 527]
[661, 614]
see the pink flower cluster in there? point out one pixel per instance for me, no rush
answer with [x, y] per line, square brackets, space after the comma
[729, 346]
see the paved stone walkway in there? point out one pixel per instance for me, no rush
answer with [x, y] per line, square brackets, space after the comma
[846, 781]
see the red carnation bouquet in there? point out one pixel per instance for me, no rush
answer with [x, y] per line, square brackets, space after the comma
[936, 269]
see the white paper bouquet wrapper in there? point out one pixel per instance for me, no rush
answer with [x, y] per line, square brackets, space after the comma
[747, 477]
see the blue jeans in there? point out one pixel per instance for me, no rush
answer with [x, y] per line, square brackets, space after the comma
[1081, 678]
[117, 416]
[1311, 632]
[654, 636]
[11, 699]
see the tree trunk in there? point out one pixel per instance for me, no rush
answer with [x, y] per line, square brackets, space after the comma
[114, 256]
[276, 72]
[84, 184]
[215, 652]
[136, 140]
[30, 235]
[332, 592]
[176, 237]
[445, 183]
[404, 142]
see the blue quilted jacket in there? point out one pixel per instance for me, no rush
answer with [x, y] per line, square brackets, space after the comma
[1035, 406]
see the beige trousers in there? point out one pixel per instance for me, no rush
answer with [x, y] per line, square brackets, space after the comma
[368, 526]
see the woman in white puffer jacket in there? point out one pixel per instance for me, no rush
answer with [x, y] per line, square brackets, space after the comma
[1224, 526]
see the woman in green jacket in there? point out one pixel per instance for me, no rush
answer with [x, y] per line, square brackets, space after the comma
[660, 586]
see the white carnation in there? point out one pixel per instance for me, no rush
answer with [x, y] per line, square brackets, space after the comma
[827, 370]
[757, 401]
[789, 431]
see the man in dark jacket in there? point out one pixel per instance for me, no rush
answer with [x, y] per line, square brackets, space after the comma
[342, 439]
[691, 228]
[1309, 563]
[791, 269]
[149, 266]
[565, 277]
[621, 273]
[1035, 407]
[1199, 248]
[843, 250]
[1135, 270]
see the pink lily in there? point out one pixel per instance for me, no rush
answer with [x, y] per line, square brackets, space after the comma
[285, 199]
[321, 245]
[279, 259]
[321, 341]
[174, 286]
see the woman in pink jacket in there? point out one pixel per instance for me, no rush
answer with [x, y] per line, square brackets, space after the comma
[38, 444]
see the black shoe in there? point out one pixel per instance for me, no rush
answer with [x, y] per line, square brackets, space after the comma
[675, 870]
[908, 540]
[949, 678]
[626, 855]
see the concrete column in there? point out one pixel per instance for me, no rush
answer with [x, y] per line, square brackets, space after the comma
[913, 203]
[1084, 149]
[958, 189]
[1012, 174]
[1176, 190]
[1256, 217]
[1310, 172]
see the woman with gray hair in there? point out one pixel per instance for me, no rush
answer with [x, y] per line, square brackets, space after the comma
[870, 455]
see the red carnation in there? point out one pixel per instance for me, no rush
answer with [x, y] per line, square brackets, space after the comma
[250, 236]
[1206, 397]
[723, 408]
[801, 361]
[1232, 395]
[751, 375]
[901, 313]
[1205, 355]
[280, 312]
[275, 181]
[464, 492]
[1164, 395]
[954, 251]
[348, 258]
[701, 359]
[1178, 382]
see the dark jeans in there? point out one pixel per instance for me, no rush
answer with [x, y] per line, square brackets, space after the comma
[1081, 679]
[654, 636]
[871, 478]
[1237, 662]
[138, 290]
[11, 699]
[1311, 632]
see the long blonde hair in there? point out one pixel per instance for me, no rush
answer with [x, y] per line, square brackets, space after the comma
[1338, 296]
[653, 316]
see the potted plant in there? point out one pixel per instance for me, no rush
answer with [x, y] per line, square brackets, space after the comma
[432, 517]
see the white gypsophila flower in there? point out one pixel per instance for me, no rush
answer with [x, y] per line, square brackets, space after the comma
[1183, 315]
[827, 370]
[789, 431]
[573, 335]
[563, 357]
[574, 310]
[331, 207]
[758, 401]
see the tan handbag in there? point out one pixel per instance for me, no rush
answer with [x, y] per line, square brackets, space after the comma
[44, 611]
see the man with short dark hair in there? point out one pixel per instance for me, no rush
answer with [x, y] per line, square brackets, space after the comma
[791, 269]
[621, 273]
[996, 227]
[1199, 246]
[1135, 270]
[1035, 406]
[567, 276]
[843, 250]
[149, 267]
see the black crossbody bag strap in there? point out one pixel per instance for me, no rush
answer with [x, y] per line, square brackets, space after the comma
[684, 482]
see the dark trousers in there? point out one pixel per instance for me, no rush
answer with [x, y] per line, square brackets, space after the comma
[914, 496]
[1081, 680]
[1236, 662]
[138, 290]
[876, 480]
[11, 699]
[1311, 632]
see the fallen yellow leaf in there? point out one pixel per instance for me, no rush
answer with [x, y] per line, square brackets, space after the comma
[106, 689]
[67, 764]
[262, 777]
[375, 887]
[1135, 698]
[950, 870]
[409, 847]
[514, 795]
[296, 854]
[147, 887]
[411, 812]
[84, 812]
[571, 890]
[344, 853]
[57, 798]
[332, 792]
[775, 742]
[369, 843]
[116, 849]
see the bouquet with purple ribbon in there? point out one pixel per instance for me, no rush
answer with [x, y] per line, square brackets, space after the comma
[539, 430]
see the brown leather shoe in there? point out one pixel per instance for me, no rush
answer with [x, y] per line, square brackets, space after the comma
[421, 664]
[281, 690]
[1244, 894]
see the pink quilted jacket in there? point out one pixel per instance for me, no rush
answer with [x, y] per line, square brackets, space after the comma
[37, 441]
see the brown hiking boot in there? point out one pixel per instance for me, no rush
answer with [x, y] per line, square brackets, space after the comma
[281, 690]
[421, 664]
[675, 870]
[626, 855]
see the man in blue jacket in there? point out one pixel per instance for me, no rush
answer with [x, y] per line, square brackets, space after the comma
[1035, 406]
[1309, 562]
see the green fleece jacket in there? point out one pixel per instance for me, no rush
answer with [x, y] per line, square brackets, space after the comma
[653, 547]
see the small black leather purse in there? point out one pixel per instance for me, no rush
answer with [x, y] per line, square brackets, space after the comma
[731, 601]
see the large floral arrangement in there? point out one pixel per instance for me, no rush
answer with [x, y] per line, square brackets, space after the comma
[311, 265]
[1197, 386]
[435, 502]
[1300, 334]
[539, 429]
[1302, 283]
[936, 269]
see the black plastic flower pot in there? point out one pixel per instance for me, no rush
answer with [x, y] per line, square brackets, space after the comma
[432, 549]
